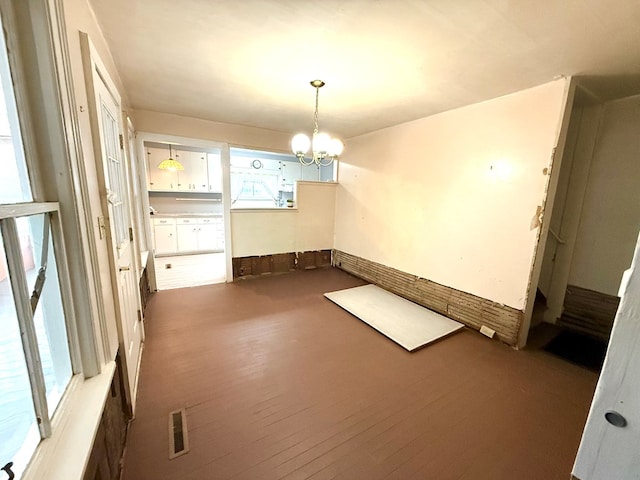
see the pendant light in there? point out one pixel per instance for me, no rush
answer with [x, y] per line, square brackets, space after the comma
[170, 163]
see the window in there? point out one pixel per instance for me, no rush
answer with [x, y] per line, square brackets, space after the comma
[267, 180]
[35, 351]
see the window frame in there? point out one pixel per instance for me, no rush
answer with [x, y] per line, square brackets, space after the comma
[25, 315]
[35, 42]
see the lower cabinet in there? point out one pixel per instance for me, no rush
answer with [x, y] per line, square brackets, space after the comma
[164, 234]
[193, 234]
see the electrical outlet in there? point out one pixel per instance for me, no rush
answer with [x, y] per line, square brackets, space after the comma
[489, 332]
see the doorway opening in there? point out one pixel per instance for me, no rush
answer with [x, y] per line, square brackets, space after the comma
[186, 214]
[593, 226]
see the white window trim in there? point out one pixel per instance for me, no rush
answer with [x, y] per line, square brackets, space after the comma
[65, 454]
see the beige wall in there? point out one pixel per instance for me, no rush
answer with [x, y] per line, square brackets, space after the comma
[610, 217]
[452, 197]
[234, 135]
[79, 17]
[308, 227]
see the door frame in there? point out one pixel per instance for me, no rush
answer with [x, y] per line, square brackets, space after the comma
[141, 138]
[546, 207]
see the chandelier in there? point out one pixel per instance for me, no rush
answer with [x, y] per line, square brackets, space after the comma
[324, 148]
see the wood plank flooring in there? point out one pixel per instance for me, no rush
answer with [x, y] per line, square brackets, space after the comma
[279, 382]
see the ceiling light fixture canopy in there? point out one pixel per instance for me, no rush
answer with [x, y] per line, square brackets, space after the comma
[324, 148]
[170, 163]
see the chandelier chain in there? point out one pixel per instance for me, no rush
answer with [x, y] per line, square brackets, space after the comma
[315, 116]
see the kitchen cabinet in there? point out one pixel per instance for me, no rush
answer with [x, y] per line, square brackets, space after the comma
[164, 235]
[214, 168]
[160, 179]
[188, 234]
[194, 177]
[199, 234]
[291, 173]
[207, 237]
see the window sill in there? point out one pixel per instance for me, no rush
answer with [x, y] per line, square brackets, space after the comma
[64, 456]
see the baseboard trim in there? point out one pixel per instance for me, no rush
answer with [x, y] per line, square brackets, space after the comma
[464, 307]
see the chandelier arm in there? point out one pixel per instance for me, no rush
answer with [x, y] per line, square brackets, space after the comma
[304, 162]
[322, 164]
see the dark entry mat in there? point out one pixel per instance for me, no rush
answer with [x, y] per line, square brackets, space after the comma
[579, 349]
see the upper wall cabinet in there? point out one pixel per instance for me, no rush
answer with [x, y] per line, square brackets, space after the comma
[194, 177]
[160, 179]
[215, 172]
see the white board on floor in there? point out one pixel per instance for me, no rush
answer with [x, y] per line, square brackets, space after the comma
[406, 323]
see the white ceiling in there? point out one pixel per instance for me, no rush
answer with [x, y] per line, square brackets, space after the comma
[384, 62]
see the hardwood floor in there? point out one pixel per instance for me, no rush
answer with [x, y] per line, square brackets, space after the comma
[279, 382]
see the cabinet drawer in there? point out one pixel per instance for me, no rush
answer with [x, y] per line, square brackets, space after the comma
[187, 221]
[212, 220]
[164, 221]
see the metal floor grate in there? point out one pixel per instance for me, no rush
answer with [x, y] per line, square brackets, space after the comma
[178, 438]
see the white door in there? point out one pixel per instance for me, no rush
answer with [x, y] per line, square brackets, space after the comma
[116, 202]
[609, 446]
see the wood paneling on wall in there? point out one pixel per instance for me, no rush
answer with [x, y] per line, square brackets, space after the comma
[108, 447]
[469, 309]
[589, 312]
[246, 267]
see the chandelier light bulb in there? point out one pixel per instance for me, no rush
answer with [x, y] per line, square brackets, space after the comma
[321, 143]
[300, 144]
[335, 147]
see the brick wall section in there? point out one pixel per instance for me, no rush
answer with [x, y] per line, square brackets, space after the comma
[464, 307]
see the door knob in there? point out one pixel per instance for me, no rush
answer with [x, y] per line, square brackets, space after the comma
[615, 419]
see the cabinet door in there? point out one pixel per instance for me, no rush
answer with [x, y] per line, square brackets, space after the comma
[187, 238]
[198, 171]
[164, 237]
[207, 239]
[183, 176]
[214, 172]
[160, 179]
[194, 176]
[219, 225]
[291, 173]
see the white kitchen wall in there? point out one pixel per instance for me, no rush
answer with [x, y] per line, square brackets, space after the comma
[610, 218]
[453, 197]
